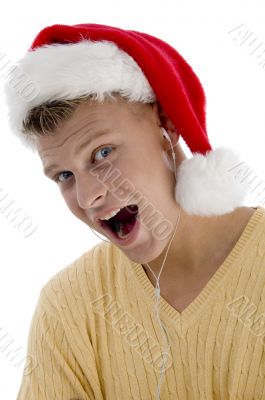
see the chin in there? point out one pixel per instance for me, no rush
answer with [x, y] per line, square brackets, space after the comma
[143, 254]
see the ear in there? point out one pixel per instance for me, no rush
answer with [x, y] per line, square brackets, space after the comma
[162, 119]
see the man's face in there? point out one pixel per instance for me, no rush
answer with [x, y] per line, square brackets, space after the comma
[123, 167]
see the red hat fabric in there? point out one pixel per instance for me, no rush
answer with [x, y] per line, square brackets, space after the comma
[163, 66]
[66, 62]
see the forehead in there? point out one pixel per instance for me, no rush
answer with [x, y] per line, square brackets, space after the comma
[89, 117]
[110, 111]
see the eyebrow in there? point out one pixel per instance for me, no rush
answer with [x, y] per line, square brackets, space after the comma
[96, 135]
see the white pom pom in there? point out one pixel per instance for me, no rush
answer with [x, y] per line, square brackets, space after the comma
[208, 184]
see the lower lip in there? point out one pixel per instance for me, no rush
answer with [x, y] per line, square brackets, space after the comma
[132, 236]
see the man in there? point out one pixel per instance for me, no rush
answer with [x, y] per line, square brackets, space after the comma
[97, 332]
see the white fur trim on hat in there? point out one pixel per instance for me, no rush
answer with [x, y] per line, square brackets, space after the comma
[71, 70]
[207, 184]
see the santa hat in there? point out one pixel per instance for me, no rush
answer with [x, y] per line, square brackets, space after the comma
[65, 62]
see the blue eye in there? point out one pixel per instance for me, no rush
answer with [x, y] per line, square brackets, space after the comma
[103, 152]
[57, 177]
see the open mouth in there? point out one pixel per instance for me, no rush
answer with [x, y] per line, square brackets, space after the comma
[122, 224]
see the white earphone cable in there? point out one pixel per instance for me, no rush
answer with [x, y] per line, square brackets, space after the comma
[157, 287]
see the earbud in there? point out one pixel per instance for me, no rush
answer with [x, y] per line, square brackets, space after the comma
[165, 134]
[167, 137]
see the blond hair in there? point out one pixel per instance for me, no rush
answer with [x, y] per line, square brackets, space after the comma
[45, 119]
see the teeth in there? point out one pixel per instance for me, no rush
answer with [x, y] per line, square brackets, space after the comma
[112, 214]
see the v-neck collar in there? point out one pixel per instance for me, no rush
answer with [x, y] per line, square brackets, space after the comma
[194, 309]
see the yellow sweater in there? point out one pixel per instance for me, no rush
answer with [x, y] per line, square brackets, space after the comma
[94, 334]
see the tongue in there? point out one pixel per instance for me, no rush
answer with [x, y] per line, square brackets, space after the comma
[123, 229]
[124, 221]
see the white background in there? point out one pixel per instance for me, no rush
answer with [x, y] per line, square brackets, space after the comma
[234, 84]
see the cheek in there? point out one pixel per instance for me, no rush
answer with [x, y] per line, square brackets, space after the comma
[70, 200]
[124, 167]
[72, 204]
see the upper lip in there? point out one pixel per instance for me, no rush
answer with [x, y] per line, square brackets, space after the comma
[106, 211]
[102, 214]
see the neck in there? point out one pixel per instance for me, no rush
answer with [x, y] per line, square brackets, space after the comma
[200, 243]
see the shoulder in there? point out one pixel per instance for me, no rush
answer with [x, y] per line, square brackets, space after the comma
[251, 238]
[256, 224]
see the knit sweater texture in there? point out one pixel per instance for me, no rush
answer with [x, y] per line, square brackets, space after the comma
[94, 332]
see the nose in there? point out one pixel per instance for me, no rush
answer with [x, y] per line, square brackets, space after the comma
[90, 192]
